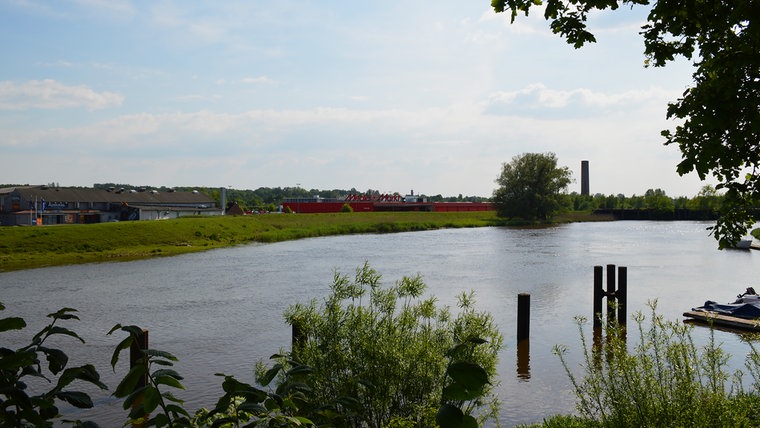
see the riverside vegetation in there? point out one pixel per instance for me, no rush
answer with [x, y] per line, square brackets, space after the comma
[393, 360]
[32, 247]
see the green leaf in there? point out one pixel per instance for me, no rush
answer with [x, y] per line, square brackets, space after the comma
[168, 381]
[160, 420]
[477, 340]
[16, 360]
[248, 406]
[449, 416]
[56, 358]
[469, 422]
[85, 373]
[130, 381]
[470, 375]
[170, 397]
[270, 375]
[457, 392]
[177, 410]
[75, 398]
[167, 372]
[124, 344]
[56, 330]
[300, 370]
[12, 323]
[160, 354]
[151, 398]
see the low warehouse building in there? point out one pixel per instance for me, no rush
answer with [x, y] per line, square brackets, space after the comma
[46, 205]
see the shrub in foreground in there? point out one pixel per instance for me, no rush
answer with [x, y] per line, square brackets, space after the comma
[383, 354]
[665, 380]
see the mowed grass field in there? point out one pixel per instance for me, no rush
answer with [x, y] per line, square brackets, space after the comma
[39, 246]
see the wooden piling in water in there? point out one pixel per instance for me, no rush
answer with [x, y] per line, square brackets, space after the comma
[622, 295]
[298, 336]
[617, 299]
[598, 296]
[523, 316]
[136, 357]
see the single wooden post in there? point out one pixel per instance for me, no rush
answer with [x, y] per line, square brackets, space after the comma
[622, 295]
[611, 303]
[598, 296]
[298, 336]
[136, 357]
[136, 354]
[523, 316]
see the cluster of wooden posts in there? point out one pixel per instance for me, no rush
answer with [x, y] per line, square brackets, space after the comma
[617, 301]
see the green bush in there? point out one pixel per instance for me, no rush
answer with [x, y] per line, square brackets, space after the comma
[664, 381]
[379, 355]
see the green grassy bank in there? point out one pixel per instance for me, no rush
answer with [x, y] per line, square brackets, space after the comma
[32, 247]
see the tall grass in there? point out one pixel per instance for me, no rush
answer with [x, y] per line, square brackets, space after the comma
[30, 247]
[664, 380]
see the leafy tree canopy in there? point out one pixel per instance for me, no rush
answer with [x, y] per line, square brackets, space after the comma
[530, 186]
[719, 134]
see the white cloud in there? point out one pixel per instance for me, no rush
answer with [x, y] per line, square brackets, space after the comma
[118, 8]
[538, 99]
[50, 94]
[255, 80]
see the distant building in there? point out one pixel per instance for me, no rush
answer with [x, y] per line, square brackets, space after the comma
[44, 205]
[584, 178]
[385, 202]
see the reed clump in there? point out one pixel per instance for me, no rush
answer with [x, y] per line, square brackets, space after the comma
[659, 378]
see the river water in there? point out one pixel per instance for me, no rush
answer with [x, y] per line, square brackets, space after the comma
[221, 310]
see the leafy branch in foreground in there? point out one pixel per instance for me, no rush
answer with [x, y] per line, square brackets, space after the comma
[468, 384]
[141, 388]
[18, 367]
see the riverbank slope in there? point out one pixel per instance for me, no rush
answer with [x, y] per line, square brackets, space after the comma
[40, 246]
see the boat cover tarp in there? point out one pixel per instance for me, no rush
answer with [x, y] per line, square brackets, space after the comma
[739, 310]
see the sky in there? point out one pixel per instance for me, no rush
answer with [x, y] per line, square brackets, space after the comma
[387, 95]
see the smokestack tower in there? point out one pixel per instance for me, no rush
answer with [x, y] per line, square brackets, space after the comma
[584, 178]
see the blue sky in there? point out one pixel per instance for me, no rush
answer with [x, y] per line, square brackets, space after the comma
[392, 96]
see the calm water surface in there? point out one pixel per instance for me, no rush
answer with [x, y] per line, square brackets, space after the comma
[221, 310]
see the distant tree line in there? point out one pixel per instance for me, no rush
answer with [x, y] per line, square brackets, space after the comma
[708, 200]
[268, 198]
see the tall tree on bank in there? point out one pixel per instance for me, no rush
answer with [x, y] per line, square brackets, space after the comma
[720, 130]
[530, 187]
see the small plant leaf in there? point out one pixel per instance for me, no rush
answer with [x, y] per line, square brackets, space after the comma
[75, 398]
[270, 375]
[130, 381]
[124, 344]
[12, 323]
[470, 375]
[168, 381]
[151, 398]
[161, 354]
[449, 416]
[56, 358]
[86, 373]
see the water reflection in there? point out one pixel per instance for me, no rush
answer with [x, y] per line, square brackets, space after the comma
[523, 360]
